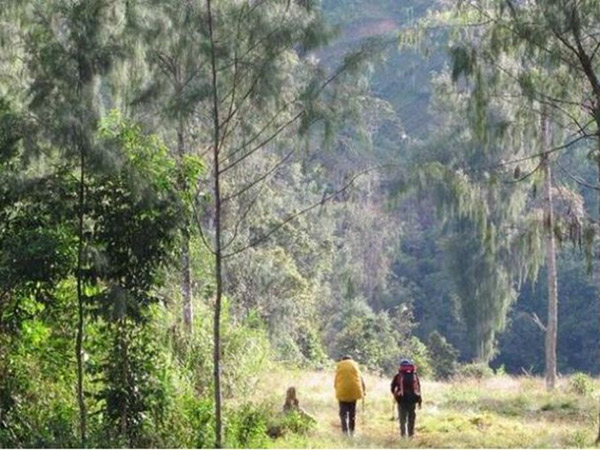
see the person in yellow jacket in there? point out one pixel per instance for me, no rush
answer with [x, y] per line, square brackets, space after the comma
[349, 388]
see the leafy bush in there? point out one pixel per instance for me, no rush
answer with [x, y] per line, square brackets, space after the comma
[442, 355]
[247, 427]
[376, 340]
[246, 351]
[369, 339]
[293, 422]
[500, 370]
[478, 371]
[188, 421]
[41, 415]
[419, 354]
[311, 346]
[581, 384]
[132, 399]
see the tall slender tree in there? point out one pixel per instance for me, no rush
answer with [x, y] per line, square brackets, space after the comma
[549, 222]
[266, 87]
[172, 33]
[483, 209]
[70, 45]
[544, 49]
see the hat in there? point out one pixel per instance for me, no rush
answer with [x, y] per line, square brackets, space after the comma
[405, 362]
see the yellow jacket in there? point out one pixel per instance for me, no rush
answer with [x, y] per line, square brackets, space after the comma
[349, 386]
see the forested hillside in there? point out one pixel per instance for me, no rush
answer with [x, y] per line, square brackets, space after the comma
[415, 82]
[197, 195]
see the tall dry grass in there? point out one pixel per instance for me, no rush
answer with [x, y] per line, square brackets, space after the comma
[499, 412]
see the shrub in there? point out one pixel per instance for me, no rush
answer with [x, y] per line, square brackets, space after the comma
[500, 370]
[247, 427]
[297, 422]
[369, 339]
[479, 371]
[419, 354]
[377, 340]
[581, 384]
[311, 346]
[189, 422]
[442, 356]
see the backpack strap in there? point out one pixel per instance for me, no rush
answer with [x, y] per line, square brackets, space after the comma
[397, 385]
[401, 383]
[416, 384]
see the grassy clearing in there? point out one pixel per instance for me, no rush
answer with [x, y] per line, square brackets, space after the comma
[503, 412]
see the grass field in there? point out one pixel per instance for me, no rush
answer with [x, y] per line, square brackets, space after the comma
[502, 411]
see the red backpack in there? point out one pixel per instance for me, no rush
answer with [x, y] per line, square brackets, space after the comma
[408, 383]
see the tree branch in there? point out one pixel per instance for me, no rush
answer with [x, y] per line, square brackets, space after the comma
[309, 208]
[262, 144]
[261, 177]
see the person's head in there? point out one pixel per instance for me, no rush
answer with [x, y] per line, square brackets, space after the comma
[291, 393]
[405, 362]
[345, 357]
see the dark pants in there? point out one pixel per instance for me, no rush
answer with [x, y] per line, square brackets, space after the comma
[348, 416]
[407, 411]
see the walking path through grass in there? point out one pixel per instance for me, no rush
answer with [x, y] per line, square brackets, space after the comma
[498, 412]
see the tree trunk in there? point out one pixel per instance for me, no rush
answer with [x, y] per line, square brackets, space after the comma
[186, 281]
[80, 311]
[186, 273]
[551, 327]
[598, 266]
[122, 337]
[218, 248]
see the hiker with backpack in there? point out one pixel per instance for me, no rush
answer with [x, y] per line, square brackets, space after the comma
[406, 389]
[349, 388]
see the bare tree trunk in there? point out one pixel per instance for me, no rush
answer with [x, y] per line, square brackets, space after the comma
[218, 247]
[80, 311]
[186, 273]
[552, 325]
[123, 344]
[186, 281]
[598, 267]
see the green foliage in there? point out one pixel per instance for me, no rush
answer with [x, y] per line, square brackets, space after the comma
[36, 257]
[417, 352]
[247, 427]
[370, 340]
[501, 370]
[310, 345]
[11, 131]
[202, 424]
[132, 400]
[443, 356]
[577, 322]
[374, 339]
[581, 384]
[36, 403]
[295, 422]
[247, 352]
[478, 371]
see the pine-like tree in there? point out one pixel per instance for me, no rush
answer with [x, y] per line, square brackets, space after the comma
[69, 46]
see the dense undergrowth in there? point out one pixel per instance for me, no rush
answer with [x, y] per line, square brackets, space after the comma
[166, 391]
[475, 408]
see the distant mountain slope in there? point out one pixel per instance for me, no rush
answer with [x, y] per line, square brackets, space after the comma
[405, 78]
